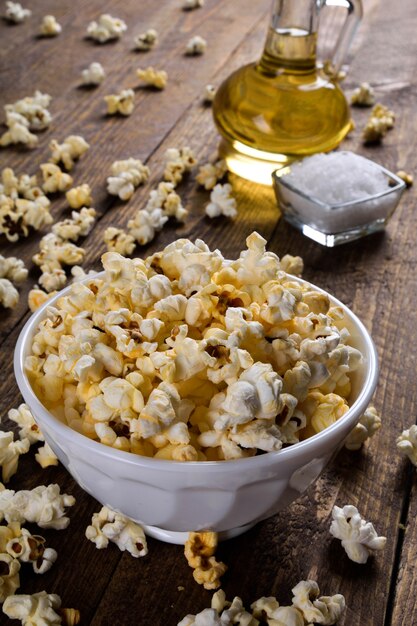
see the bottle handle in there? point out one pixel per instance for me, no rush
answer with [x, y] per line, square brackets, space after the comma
[350, 25]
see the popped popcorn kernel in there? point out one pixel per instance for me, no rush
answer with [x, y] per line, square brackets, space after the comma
[40, 608]
[46, 457]
[407, 178]
[106, 28]
[380, 121]
[144, 226]
[196, 46]
[178, 162]
[368, 425]
[407, 444]
[10, 452]
[189, 5]
[18, 132]
[43, 505]
[10, 579]
[13, 269]
[107, 525]
[199, 551]
[93, 75]
[9, 296]
[118, 240]
[153, 78]
[15, 13]
[209, 93]
[37, 297]
[72, 148]
[221, 202]
[358, 537]
[122, 102]
[27, 548]
[165, 198]
[33, 109]
[54, 179]
[126, 176]
[80, 196]
[363, 96]
[315, 608]
[209, 174]
[147, 40]
[28, 428]
[50, 27]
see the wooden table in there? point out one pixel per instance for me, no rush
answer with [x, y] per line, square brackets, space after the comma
[375, 276]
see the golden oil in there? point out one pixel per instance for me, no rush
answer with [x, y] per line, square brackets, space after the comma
[279, 109]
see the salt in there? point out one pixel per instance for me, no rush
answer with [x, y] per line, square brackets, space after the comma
[338, 177]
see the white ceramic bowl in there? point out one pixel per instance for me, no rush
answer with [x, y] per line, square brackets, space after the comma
[169, 497]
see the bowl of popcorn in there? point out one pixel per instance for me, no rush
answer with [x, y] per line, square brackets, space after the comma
[192, 392]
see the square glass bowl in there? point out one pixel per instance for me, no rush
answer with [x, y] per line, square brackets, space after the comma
[334, 224]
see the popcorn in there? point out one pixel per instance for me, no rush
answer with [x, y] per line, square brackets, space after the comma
[117, 240]
[50, 27]
[28, 548]
[9, 296]
[54, 179]
[196, 46]
[43, 505]
[127, 535]
[55, 252]
[221, 202]
[380, 121]
[210, 173]
[46, 457]
[28, 429]
[178, 162]
[80, 196]
[72, 148]
[199, 550]
[188, 5]
[37, 297]
[358, 537]
[40, 608]
[18, 132]
[153, 78]
[209, 93]
[10, 580]
[368, 425]
[34, 109]
[145, 225]
[363, 96]
[125, 176]
[106, 28]
[122, 102]
[146, 41]
[321, 610]
[165, 198]
[94, 74]
[407, 444]
[15, 13]
[407, 178]
[10, 452]
[53, 281]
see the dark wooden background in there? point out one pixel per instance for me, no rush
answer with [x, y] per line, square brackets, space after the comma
[375, 276]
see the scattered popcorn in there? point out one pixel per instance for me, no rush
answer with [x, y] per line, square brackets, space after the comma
[13, 269]
[127, 535]
[18, 132]
[34, 109]
[94, 74]
[209, 93]
[380, 121]
[221, 202]
[106, 28]
[53, 280]
[125, 176]
[46, 457]
[43, 505]
[320, 610]
[54, 179]
[407, 178]
[79, 225]
[178, 162]
[196, 46]
[118, 240]
[41, 609]
[50, 27]
[407, 444]
[10, 579]
[368, 425]
[210, 173]
[27, 548]
[28, 428]
[72, 148]
[147, 40]
[19, 216]
[37, 297]
[199, 551]
[55, 252]
[10, 452]
[363, 96]
[165, 198]
[144, 226]
[122, 102]
[15, 12]
[80, 196]
[9, 296]
[188, 5]
[358, 537]
[79, 274]
[152, 77]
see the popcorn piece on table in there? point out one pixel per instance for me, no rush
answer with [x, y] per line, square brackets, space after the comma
[50, 27]
[152, 77]
[363, 96]
[9, 296]
[46, 457]
[78, 273]
[209, 93]
[368, 425]
[189, 5]
[15, 13]
[269, 609]
[10, 452]
[122, 102]
[13, 269]
[407, 178]
[37, 297]
[221, 202]
[80, 196]
[165, 198]
[69, 151]
[40, 608]
[79, 225]
[33, 108]
[28, 428]
[94, 74]
[109, 525]
[19, 216]
[106, 28]
[380, 121]
[407, 444]
[178, 162]
[43, 505]
[147, 40]
[210, 173]
[320, 610]
[18, 132]
[10, 579]
[118, 240]
[126, 175]
[358, 537]
[20, 544]
[196, 46]
[144, 226]
[53, 281]
[54, 179]
[55, 252]
[199, 551]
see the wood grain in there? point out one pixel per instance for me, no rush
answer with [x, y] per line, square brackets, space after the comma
[375, 276]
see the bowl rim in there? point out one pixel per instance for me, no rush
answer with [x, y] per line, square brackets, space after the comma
[399, 185]
[290, 452]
